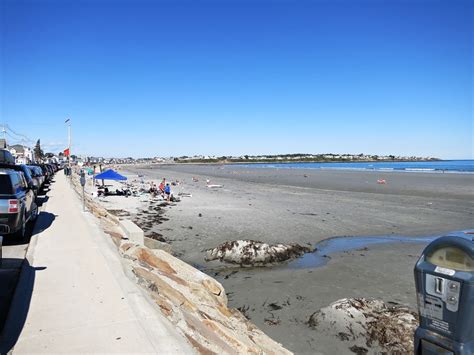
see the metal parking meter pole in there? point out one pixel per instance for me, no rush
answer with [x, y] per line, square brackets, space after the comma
[83, 184]
[444, 279]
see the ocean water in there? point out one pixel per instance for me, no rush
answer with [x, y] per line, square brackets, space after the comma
[450, 166]
[321, 255]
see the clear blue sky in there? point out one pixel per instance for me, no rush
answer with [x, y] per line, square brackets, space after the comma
[146, 78]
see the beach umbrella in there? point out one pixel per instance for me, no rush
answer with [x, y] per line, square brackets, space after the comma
[110, 175]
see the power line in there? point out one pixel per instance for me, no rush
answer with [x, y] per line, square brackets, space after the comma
[15, 136]
[19, 134]
[14, 139]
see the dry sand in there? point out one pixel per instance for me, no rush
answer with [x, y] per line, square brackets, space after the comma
[307, 206]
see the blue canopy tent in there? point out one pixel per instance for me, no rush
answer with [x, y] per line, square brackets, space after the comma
[109, 175]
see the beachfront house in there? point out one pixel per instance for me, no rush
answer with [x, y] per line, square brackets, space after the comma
[21, 153]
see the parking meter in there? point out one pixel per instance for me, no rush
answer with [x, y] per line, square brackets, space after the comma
[83, 184]
[444, 279]
[83, 178]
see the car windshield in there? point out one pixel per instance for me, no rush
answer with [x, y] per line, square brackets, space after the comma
[5, 185]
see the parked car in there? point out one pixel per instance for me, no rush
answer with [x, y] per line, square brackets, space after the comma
[37, 175]
[17, 203]
[46, 172]
[51, 169]
[6, 157]
[26, 173]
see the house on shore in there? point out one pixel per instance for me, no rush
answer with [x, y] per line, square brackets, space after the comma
[21, 153]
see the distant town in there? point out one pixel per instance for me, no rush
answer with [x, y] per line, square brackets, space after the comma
[298, 157]
[26, 155]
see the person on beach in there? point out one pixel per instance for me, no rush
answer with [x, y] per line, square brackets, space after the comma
[162, 187]
[168, 192]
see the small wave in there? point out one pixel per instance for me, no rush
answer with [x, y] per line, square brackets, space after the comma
[419, 169]
[344, 168]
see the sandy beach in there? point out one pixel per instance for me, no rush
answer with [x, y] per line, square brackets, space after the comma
[305, 207]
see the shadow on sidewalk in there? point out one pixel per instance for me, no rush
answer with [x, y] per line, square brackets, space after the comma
[14, 311]
[43, 222]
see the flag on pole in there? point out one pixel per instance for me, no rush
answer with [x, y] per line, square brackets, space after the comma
[66, 152]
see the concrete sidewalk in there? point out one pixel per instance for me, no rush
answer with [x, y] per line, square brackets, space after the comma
[81, 300]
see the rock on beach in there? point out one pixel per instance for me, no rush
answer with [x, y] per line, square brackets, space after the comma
[251, 252]
[368, 325]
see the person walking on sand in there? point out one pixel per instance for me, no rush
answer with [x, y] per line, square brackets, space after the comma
[168, 192]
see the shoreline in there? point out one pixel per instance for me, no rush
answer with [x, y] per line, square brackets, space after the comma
[281, 164]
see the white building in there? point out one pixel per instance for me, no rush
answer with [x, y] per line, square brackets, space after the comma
[21, 153]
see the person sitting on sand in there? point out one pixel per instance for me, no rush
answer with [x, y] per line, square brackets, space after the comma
[168, 192]
[152, 188]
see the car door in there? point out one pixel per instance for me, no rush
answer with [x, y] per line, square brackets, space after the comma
[29, 195]
[19, 190]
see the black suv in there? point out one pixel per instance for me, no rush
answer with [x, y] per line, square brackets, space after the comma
[26, 174]
[17, 202]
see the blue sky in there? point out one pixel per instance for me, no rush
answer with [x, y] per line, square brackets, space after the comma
[147, 78]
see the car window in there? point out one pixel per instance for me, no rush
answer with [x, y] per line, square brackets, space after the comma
[26, 173]
[16, 182]
[5, 185]
[22, 184]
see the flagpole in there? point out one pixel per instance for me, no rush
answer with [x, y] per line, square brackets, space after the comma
[68, 121]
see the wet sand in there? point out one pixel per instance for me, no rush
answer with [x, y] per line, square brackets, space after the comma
[307, 206]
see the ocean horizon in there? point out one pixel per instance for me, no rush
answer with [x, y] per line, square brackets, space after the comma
[438, 166]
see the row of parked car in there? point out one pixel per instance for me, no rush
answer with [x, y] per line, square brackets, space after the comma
[19, 187]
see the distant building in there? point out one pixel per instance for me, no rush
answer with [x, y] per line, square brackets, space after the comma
[21, 153]
[3, 144]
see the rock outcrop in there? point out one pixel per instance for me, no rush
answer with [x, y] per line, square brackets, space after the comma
[368, 325]
[196, 304]
[251, 252]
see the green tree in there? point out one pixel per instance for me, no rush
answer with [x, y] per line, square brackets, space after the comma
[38, 151]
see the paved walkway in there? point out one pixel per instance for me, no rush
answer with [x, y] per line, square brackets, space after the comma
[81, 300]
